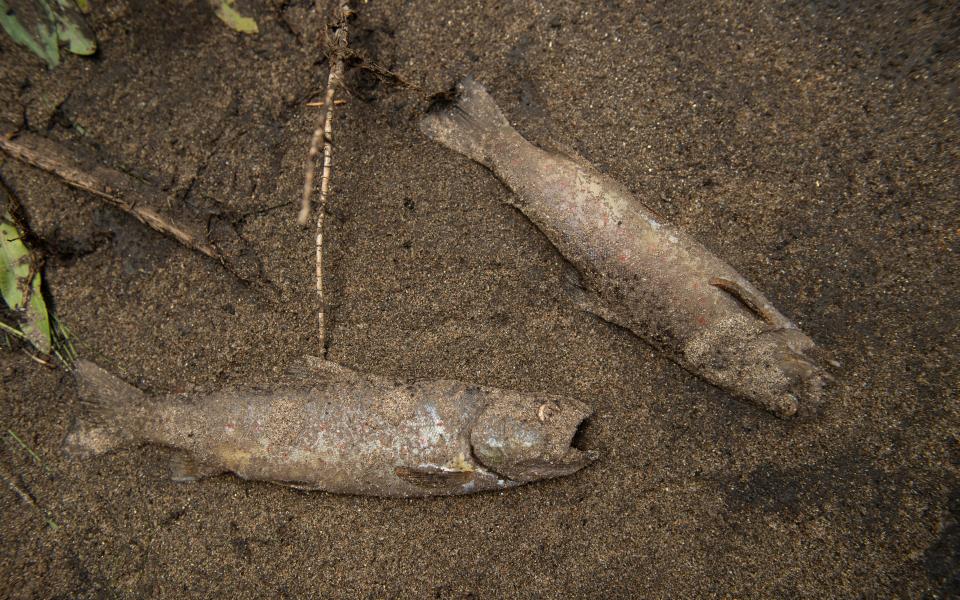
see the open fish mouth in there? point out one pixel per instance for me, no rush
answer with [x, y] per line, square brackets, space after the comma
[566, 433]
[569, 455]
[575, 451]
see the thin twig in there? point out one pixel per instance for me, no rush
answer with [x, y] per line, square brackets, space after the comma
[61, 344]
[29, 450]
[27, 497]
[325, 132]
[37, 359]
[320, 103]
[124, 191]
[338, 53]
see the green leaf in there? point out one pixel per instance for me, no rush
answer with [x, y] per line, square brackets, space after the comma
[36, 322]
[84, 6]
[20, 285]
[42, 25]
[228, 14]
[32, 24]
[72, 28]
[14, 263]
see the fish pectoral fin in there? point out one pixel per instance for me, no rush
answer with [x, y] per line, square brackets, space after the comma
[185, 468]
[433, 478]
[758, 306]
[584, 299]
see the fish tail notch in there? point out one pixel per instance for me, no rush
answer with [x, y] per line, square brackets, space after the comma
[466, 119]
[109, 405]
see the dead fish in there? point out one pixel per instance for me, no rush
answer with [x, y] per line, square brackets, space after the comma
[636, 270]
[343, 432]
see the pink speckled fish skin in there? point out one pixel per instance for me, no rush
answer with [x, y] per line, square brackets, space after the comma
[343, 432]
[637, 271]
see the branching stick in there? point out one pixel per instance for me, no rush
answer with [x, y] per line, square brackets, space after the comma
[338, 53]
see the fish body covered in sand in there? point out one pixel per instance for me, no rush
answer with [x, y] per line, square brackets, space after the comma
[342, 432]
[635, 270]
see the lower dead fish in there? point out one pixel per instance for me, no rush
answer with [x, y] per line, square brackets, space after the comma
[636, 270]
[344, 432]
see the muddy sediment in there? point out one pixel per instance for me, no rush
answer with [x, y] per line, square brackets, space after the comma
[812, 146]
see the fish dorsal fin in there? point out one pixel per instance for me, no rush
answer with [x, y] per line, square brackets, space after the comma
[314, 370]
[433, 478]
[328, 368]
[555, 146]
[567, 151]
[317, 374]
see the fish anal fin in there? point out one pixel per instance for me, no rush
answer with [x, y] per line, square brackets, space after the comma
[184, 468]
[433, 478]
[302, 486]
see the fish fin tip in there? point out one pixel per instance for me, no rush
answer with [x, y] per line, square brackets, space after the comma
[184, 468]
[316, 370]
[433, 478]
[103, 393]
[467, 120]
[300, 486]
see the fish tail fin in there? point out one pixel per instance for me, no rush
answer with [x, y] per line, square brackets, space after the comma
[110, 411]
[468, 121]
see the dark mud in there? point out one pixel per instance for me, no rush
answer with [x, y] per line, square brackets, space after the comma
[813, 145]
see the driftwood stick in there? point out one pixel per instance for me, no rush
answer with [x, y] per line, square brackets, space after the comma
[119, 189]
[131, 195]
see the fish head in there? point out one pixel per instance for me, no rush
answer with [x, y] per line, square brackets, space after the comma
[804, 379]
[782, 367]
[526, 437]
[778, 369]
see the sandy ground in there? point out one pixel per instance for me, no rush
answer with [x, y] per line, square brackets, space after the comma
[814, 145]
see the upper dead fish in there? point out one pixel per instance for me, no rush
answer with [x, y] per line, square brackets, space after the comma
[636, 270]
[343, 432]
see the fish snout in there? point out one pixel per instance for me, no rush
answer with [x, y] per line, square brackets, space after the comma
[535, 443]
[805, 383]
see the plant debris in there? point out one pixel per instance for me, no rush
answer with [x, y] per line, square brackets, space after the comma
[20, 277]
[234, 20]
[42, 26]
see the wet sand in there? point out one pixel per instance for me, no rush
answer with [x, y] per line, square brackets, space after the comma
[813, 146]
